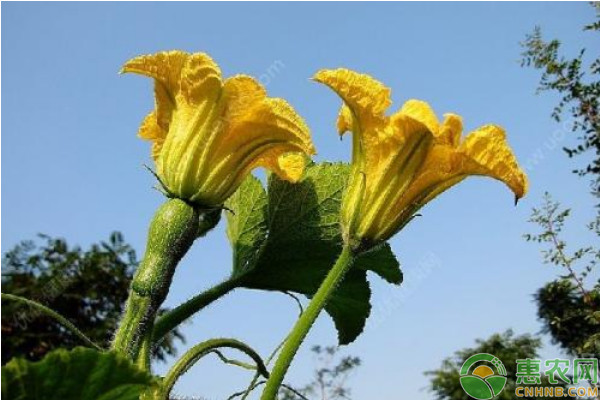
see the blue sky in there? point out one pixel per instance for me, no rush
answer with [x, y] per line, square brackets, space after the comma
[72, 165]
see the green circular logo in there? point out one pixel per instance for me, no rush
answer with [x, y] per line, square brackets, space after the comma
[482, 383]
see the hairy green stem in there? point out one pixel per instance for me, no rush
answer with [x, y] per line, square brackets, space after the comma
[172, 232]
[173, 318]
[53, 314]
[144, 355]
[305, 322]
[199, 351]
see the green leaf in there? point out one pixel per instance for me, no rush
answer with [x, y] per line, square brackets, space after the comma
[289, 238]
[383, 262]
[247, 222]
[78, 374]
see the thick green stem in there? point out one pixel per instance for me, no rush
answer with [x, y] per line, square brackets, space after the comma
[176, 316]
[172, 232]
[305, 322]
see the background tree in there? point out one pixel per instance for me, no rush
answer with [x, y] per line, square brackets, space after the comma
[577, 83]
[330, 377]
[87, 287]
[568, 306]
[566, 317]
[445, 382]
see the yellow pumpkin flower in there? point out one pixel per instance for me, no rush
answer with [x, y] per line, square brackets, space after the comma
[401, 162]
[209, 133]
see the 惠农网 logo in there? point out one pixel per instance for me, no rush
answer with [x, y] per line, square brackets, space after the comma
[483, 376]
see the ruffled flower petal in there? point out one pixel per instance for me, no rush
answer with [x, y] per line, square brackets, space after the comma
[450, 130]
[165, 68]
[365, 103]
[422, 112]
[401, 162]
[489, 154]
[366, 97]
[149, 130]
[208, 134]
